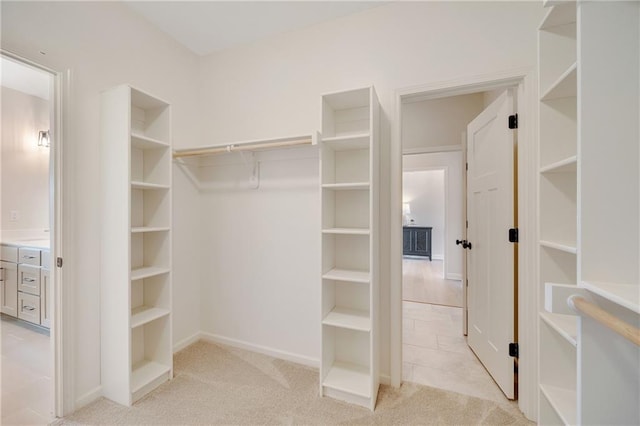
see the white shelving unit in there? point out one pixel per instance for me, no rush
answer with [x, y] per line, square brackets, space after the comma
[558, 171]
[349, 188]
[136, 289]
[589, 209]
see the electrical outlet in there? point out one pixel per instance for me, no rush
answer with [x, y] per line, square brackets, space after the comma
[15, 216]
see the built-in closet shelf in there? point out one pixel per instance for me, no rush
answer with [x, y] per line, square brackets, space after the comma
[347, 231]
[145, 142]
[348, 275]
[625, 295]
[549, 3]
[349, 377]
[566, 165]
[565, 86]
[348, 142]
[346, 186]
[146, 372]
[145, 314]
[147, 185]
[348, 318]
[559, 15]
[147, 272]
[141, 229]
[565, 325]
[563, 402]
[559, 246]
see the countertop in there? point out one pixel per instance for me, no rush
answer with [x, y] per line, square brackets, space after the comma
[32, 243]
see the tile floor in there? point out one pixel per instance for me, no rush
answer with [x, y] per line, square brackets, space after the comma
[25, 374]
[435, 352]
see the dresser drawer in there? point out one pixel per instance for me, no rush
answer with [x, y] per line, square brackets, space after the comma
[29, 279]
[29, 256]
[29, 308]
[9, 254]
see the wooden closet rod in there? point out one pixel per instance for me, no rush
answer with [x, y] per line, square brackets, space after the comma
[587, 308]
[250, 146]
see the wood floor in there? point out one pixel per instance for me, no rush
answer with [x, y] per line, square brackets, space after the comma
[422, 282]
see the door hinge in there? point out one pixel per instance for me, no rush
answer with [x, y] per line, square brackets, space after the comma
[467, 166]
[59, 262]
[467, 223]
[514, 350]
[513, 121]
[513, 235]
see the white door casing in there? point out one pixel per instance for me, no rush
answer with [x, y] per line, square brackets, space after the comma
[491, 257]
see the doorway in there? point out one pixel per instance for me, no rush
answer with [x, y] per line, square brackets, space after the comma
[27, 229]
[434, 344]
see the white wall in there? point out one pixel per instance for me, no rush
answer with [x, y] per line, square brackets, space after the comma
[438, 122]
[25, 166]
[272, 88]
[424, 191]
[104, 44]
[452, 162]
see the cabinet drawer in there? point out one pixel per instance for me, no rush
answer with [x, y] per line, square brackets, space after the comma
[29, 256]
[9, 254]
[29, 308]
[29, 279]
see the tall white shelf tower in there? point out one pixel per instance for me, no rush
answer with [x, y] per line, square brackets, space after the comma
[135, 157]
[349, 189]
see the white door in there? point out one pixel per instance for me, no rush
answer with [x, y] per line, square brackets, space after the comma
[490, 256]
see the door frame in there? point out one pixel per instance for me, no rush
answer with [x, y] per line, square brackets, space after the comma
[525, 80]
[61, 330]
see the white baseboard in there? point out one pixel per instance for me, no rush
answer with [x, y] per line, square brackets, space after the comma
[88, 397]
[452, 276]
[385, 379]
[186, 342]
[437, 257]
[276, 353]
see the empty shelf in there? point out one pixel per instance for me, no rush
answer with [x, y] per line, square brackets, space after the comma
[563, 401]
[348, 318]
[147, 272]
[348, 377]
[139, 229]
[144, 314]
[144, 142]
[562, 14]
[568, 165]
[347, 275]
[146, 372]
[346, 186]
[347, 231]
[565, 325]
[147, 185]
[348, 142]
[558, 246]
[565, 86]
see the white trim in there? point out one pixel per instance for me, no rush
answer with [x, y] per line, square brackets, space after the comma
[524, 78]
[275, 353]
[89, 397]
[385, 379]
[454, 276]
[431, 149]
[187, 342]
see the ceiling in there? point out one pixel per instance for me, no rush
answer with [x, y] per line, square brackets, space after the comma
[209, 26]
[24, 78]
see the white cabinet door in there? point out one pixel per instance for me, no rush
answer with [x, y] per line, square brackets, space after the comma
[9, 288]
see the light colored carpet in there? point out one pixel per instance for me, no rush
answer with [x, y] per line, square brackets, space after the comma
[221, 385]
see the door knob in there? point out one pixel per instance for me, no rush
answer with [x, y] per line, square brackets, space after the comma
[466, 245]
[458, 242]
